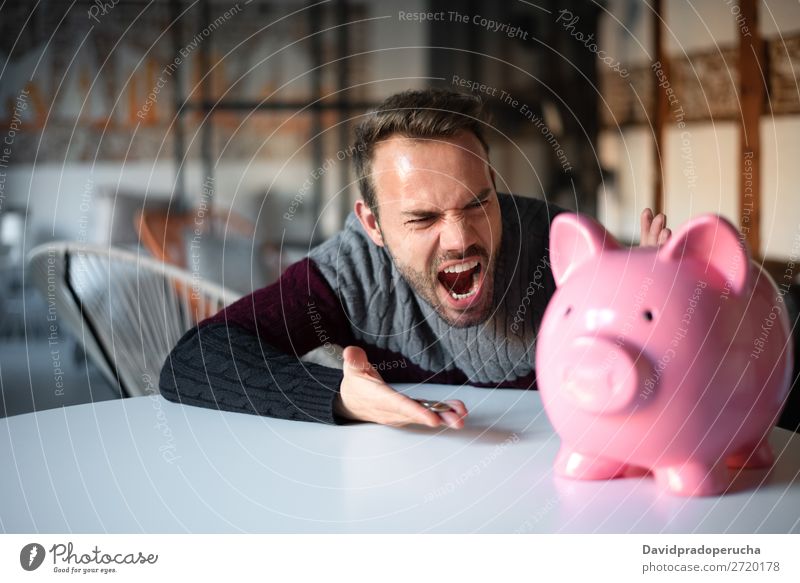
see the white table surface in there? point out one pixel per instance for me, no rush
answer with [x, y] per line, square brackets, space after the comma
[148, 465]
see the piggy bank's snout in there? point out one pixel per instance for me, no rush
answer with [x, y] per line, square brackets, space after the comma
[600, 375]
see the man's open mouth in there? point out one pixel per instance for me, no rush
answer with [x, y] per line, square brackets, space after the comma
[461, 280]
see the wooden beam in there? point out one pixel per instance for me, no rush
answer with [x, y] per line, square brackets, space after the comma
[661, 109]
[751, 95]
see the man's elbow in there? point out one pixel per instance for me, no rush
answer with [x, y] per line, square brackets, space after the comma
[168, 383]
[170, 378]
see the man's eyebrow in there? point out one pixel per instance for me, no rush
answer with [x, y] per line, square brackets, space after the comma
[480, 197]
[419, 213]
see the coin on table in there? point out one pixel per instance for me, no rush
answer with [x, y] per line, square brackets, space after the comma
[435, 406]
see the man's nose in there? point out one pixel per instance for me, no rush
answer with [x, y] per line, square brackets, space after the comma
[456, 234]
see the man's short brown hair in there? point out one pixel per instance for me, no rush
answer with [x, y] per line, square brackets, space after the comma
[425, 113]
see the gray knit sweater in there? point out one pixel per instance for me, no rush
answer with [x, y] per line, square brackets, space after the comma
[384, 311]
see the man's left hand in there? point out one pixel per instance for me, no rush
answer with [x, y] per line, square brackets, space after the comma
[654, 229]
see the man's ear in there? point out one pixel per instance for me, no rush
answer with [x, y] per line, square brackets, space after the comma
[369, 221]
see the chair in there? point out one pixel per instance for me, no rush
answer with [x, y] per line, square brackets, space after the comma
[128, 311]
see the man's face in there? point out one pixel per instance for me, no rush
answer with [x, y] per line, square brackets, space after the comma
[439, 218]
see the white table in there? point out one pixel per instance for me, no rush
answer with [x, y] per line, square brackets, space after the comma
[147, 465]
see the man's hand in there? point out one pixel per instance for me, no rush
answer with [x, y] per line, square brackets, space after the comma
[654, 230]
[365, 397]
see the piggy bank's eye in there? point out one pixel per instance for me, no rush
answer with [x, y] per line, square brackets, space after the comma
[568, 311]
[648, 315]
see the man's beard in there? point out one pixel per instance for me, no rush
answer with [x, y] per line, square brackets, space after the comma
[425, 286]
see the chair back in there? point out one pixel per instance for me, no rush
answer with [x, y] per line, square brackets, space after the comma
[127, 310]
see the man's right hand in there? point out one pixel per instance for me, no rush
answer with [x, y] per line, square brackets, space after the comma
[365, 397]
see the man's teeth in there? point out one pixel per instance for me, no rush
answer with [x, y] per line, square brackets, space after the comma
[459, 267]
[462, 296]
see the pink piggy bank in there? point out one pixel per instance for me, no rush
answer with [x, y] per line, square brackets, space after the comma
[675, 360]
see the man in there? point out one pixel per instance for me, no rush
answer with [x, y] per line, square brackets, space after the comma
[435, 278]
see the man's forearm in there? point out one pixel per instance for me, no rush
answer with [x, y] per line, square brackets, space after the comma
[224, 367]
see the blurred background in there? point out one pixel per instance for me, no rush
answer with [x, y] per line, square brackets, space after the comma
[213, 136]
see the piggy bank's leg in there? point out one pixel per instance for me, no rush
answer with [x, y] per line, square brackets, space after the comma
[694, 478]
[758, 456]
[581, 466]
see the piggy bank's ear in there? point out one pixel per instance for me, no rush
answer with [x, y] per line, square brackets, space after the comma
[715, 242]
[574, 239]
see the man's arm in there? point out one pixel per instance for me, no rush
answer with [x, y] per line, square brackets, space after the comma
[227, 368]
[247, 357]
